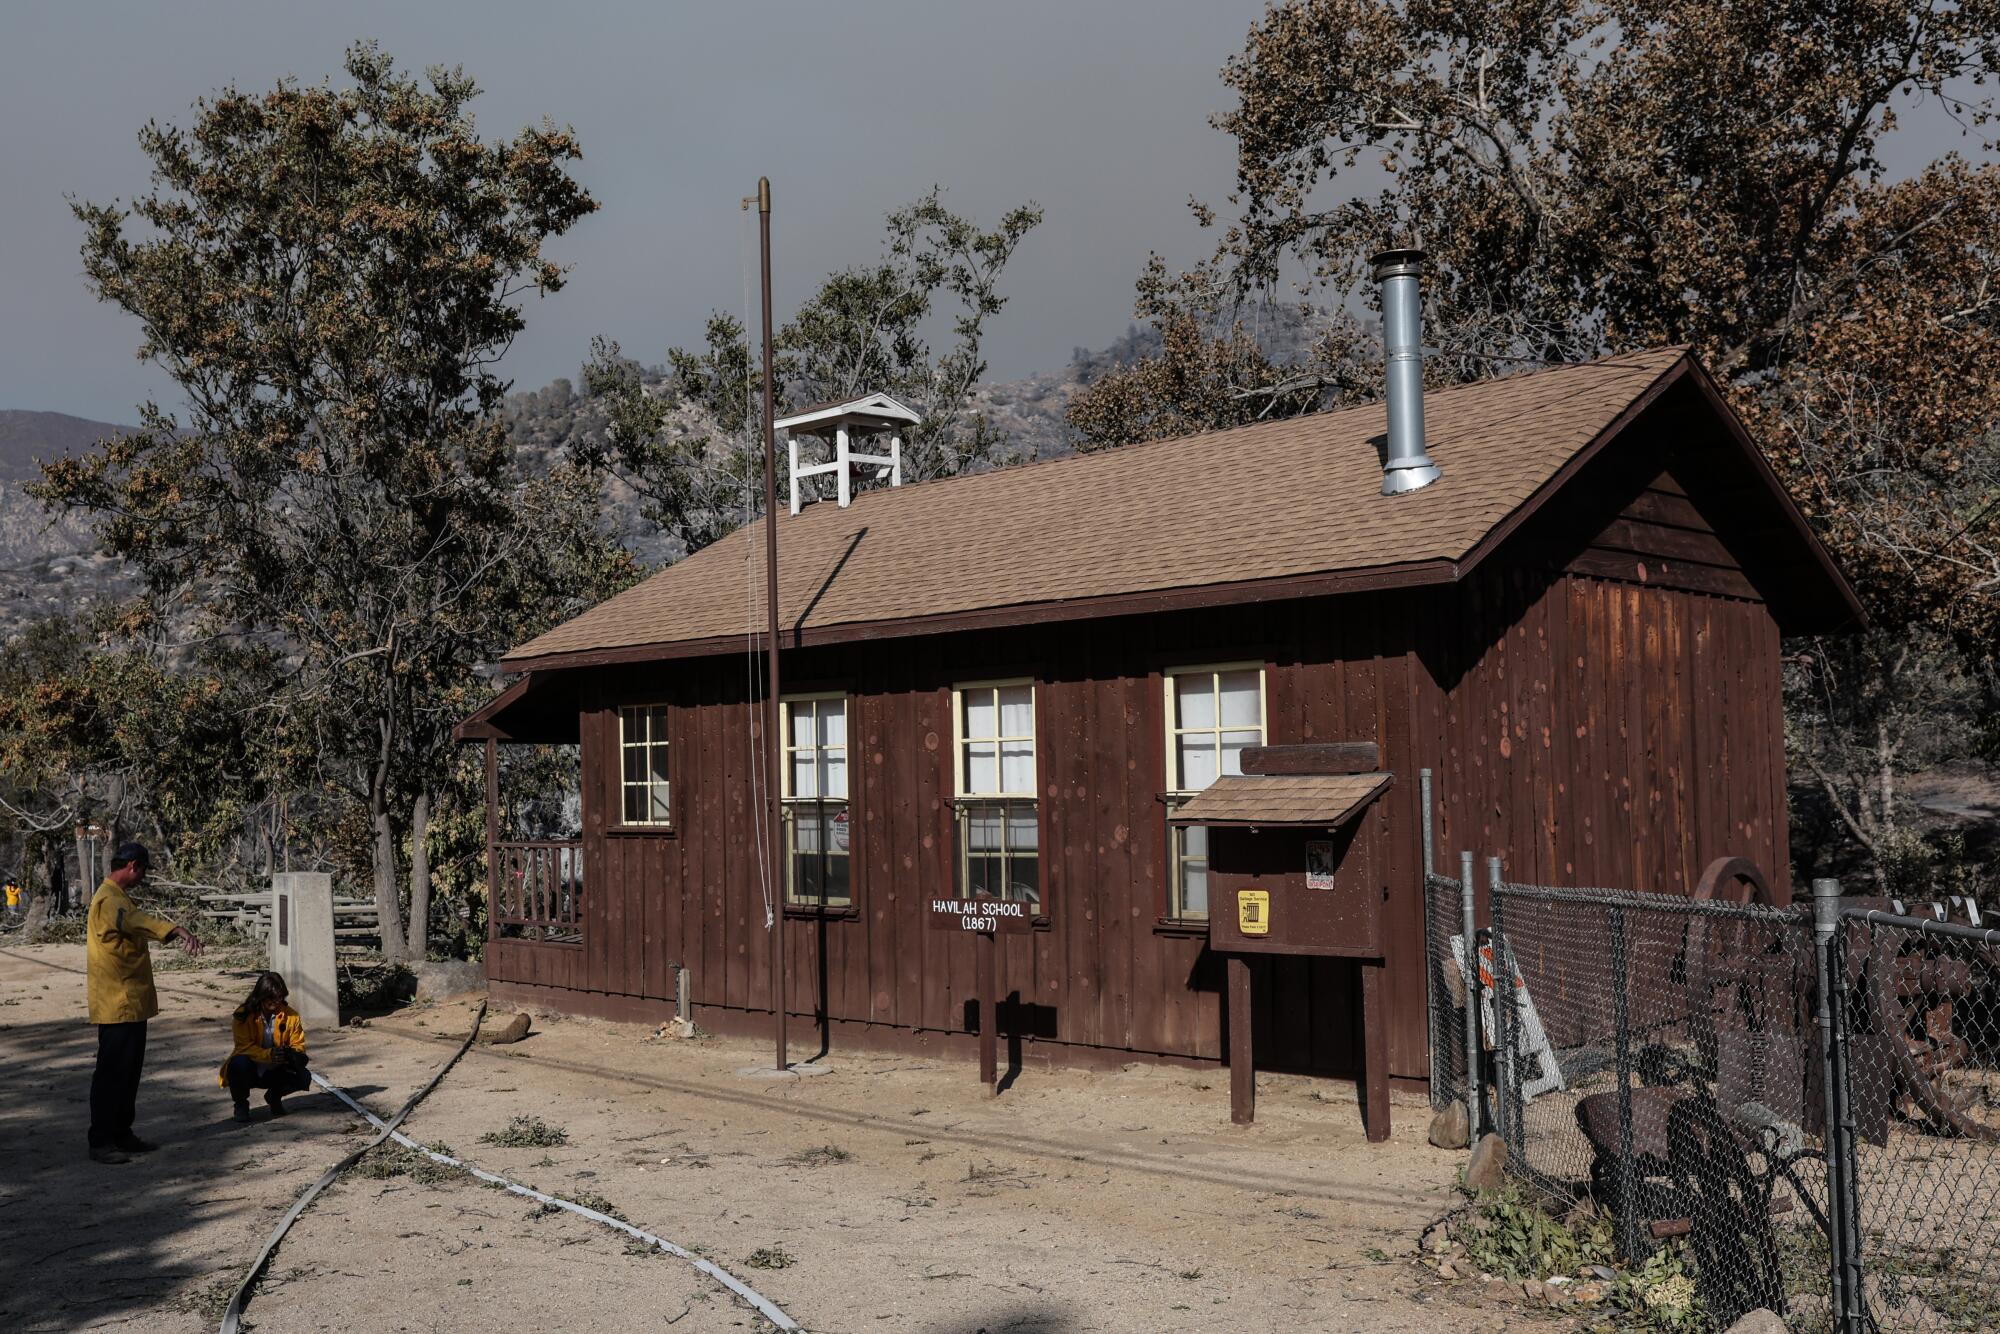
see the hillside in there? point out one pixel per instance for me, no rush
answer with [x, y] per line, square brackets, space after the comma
[47, 564]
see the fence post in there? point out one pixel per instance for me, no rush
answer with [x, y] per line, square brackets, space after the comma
[1433, 947]
[1844, 1268]
[1508, 1108]
[1629, 1241]
[1475, 1083]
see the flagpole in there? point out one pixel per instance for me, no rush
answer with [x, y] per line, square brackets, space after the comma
[773, 716]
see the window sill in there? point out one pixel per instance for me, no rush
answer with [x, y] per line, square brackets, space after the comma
[1180, 926]
[641, 831]
[805, 910]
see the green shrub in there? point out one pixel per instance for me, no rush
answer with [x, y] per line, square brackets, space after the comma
[527, 1132]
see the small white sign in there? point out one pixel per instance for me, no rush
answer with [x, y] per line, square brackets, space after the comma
[840, 832]
[1319, 863]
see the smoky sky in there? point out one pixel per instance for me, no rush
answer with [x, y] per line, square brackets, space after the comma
[1099, 112]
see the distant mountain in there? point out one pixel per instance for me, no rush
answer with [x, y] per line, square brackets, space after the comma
[29, 437]
[48, 564]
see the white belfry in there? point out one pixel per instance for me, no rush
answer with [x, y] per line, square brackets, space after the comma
[841, 425]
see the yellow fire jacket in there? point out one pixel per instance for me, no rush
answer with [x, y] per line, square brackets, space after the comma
[117, 965]
[287, 1030]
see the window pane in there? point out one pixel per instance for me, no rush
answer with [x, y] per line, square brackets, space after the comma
[804, 780]
[982, 875]
[833, 768]
[635, 764]
[1194, 841]
[635, 804]
[631, 725]
[660, 809]
[1017, 711]
[1197, 761]
[982, 768]
[1239, 699]
[982, 829]
[1194, 700]
[658, 756]
[1024, 880]
[1022, 830]
[1194, 889]
[833, 722]
[656, 724]
[802, 723]
[806, 829]
[1017, 767]
[835, 887]
[981, 719]
[1233, 746]
[806, 879]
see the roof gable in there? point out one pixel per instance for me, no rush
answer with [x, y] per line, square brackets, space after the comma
[1296, 511]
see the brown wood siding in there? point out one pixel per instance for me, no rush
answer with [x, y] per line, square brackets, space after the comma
[1611, 735]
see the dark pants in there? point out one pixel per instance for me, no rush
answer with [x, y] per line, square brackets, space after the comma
[246, 1074]
[114, 1087]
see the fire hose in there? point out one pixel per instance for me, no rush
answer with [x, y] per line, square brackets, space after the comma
[387, 1130]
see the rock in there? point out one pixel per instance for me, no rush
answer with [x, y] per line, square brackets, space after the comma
[1446, 1269]
[1450, 1127]
[1488, 1164]
[1534, 1289]
[511, 1029]
[1590, 1293]
[452, 977]
[1763, 1320]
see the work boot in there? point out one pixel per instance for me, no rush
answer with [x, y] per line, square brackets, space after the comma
[106, 1153]
[130, 1143]
[275, 1102]
[242, 1111]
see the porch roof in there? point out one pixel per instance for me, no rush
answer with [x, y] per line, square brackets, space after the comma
[1283, 799]
[537, 709]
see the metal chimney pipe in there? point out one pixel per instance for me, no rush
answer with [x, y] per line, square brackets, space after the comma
[1407, 467]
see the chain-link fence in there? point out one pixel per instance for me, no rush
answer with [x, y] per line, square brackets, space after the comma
[1917, 1022]
[1444, 937]
[1664, 1063]
[1654, 1057]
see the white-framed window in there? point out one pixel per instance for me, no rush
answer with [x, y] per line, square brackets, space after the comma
[642, 746]
[1213, 714]
[817, 829]
[993, 762]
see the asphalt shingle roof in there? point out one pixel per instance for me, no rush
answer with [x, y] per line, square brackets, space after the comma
[1292, 497]
[1281, 799]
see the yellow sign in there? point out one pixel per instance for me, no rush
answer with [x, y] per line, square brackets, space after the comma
[1253, 912]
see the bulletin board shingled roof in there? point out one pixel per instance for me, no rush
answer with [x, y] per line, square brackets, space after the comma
[1282, 799]
[1133, 528]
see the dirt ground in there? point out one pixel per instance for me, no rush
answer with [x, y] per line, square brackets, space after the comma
[889, 1194]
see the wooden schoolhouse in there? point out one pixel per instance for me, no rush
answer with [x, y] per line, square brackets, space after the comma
[1014, 683]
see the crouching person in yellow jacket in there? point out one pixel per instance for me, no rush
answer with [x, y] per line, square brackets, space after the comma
[270, 1050]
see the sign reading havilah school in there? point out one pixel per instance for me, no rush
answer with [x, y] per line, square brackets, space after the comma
[980, 915]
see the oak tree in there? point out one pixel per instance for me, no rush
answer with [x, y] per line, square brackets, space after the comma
[330, 276]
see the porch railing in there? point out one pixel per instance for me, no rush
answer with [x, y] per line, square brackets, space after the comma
[538, 892]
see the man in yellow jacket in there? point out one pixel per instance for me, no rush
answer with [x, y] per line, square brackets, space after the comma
[119, 989]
